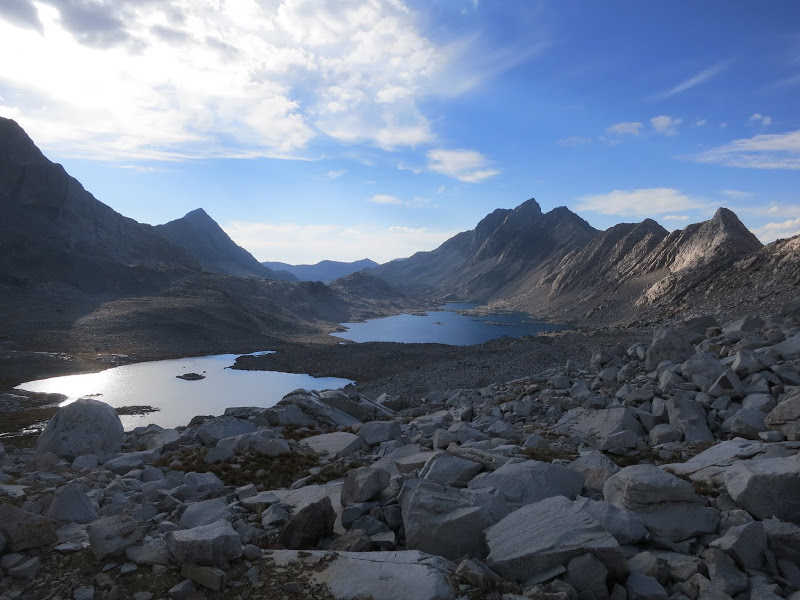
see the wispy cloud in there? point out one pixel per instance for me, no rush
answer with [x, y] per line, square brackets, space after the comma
[738, 194]
[333, 174]
[307, 244]
[701, 123]
[465, 165]
[625, 128]
[665, 125]
[676, 217]
[762, 119]
[385, 199]
[639, 202]
[694, 80]
[574, 141]
[781, 229]
[766, 151]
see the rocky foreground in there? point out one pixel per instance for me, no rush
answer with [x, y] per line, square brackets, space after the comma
[667, 469]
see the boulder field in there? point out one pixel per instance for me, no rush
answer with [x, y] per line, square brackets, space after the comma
[669, 469]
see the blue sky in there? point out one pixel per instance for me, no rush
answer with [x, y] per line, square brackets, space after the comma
[344, 129]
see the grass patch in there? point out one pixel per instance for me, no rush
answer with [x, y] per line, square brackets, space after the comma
[548, 454]
[272, 472]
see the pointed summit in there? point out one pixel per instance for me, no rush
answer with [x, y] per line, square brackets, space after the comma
[215, 251]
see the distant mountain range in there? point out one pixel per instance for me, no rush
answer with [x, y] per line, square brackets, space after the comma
[556, 265]
[107, 275]
[324, 271]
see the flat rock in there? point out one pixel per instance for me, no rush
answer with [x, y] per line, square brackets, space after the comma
[767, 487]
[205, 512]
[596, 426]
[548, 534]
[445, 469]
[111, 536]
[205, 545]
[407, 575]
[86, 426]
[213, 430]
[668, 506]
[23, 530]
[711, 465]
[530, 481]
[337, 444]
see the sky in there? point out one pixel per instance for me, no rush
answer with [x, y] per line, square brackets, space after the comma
[347, 129]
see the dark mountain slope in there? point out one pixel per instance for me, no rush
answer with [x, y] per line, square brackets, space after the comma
[324, 271]
[52, 229]
[213, 249]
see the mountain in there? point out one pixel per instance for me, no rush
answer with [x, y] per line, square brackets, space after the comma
[213, 249]
[324, 271]
[52, 229]
[488, 261]
[556, 265]
[76, 276]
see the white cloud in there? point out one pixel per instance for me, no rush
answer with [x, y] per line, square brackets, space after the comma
[174, 79]
[394, 200]
[695, 80]
[441, 189]
[665, 124]
[675, 217]
[574, 141]
[626, 128]
[307, 244]
[334, 174]
[759, 118]
[465, 165]
[739, 194]
[385, 199]
[766, 151]
[773, 231]
[640, 202]
[701, 123]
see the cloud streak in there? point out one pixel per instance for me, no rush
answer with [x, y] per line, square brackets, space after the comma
[465, 165]
[639, 202]
[695, 80]
[766, 151]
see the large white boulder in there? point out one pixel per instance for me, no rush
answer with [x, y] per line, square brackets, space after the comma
[668, 506]
[86, 426]
[548, 534]
[408, 575]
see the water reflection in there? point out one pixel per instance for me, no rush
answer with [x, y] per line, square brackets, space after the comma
[156, 384]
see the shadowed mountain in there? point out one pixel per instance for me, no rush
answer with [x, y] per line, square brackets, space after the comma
[213, 249]
[324, 271]
[76, 276]
[52, 229]
[484, 263]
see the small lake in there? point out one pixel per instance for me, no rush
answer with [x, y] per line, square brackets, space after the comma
[445, 326]
[156, 384]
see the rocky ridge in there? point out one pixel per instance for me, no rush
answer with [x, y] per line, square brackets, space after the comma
[666, 469]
